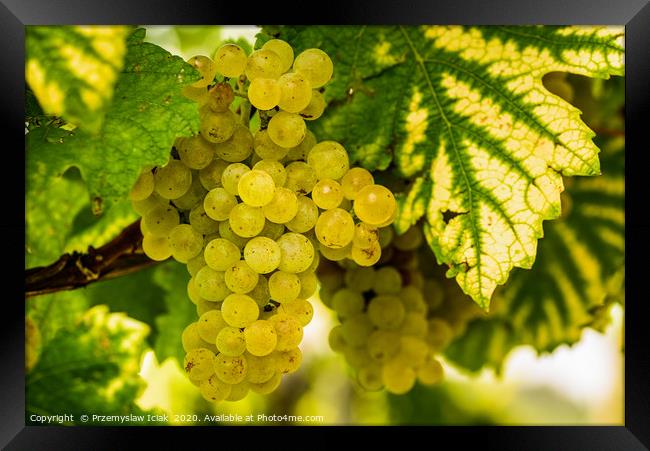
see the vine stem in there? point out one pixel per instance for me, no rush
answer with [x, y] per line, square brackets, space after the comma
[121, 256]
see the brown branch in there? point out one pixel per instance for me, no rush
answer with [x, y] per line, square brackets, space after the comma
[120, 256]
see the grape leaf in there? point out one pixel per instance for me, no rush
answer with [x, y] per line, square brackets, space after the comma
[578, 274]
[147, 114]
[89, 368]
[462, 112]
[72, 70]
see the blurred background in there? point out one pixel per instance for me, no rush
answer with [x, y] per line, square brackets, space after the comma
[578, 384]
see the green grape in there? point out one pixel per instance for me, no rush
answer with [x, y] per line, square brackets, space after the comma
[329, 160]
[315, 108]
[433, 294]
[226, 232]
[300, 177]
[185, 242]
[260, 369]
[374, 204]
[218, 204]
[301, 151]
[196, 263]
[283, 50]
[284, 286]
[306, 216]
[287, 129]
[159, 221]
[198, 95]
[206, 68]
[209, 325]
[265, 148]
[256, 188]
[198, 363]
[386, 312]
[308, 284]
[214, 389]
[439, 334]
[201, 222]
[397, 378]
[261, 338]
[360, 278]
[247, 221]
[220, 96]
[263, 64]
[357, 357]
[383, 345]
[297, 252]
[413, 300]
[390, 220]
[156, 247]
[264, 93]
[211, 284]
[142, 207]
[272, 230]
[239, 310]
[262, 254]
[220, 254]
[172, 180]
[300, 309]
[335, 339]
[192, 197]
[410, 240]
[335, 254]
[261, 294]
[430, 373]
[230, 369]
[388, 281]
[143, 187]
[273, 168]
[296, 92]
[356, 329]
[230, 341]
[191, 339]
[366, 257]
[335, 228]
[347, 302]
[238, 392]
[231, 175]
[193, 291]
[386, 235]
[413, 350]
[315, 262]
[217, 127]
[370, 377]
[316, 65]
[195, 152]
[287, 362]
[241, 278]
[269, 386]
[230, 60]
[289, 331]
[365, 235]
[238, 147]
[210, 176]
[203, 307]
[327, 194]
[354, 180]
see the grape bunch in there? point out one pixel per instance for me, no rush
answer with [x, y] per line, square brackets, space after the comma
[249, 212]
[392, 321]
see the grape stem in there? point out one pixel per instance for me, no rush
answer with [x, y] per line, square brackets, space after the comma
[121, 256]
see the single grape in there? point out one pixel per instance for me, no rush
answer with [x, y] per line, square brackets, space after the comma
[297, 252]
[142, 207]
[269, 386]
[288, 361]
[239, 310]
[284, 286]
[316, 65]
[335, 254]
[413, 350]
[206, 68]
[365, 235]
[335, 339]
[264, 93]
[383, 345]
[217, 127]
[374, 204]
[209, 325]
[329, 159]
[230, 60]
[230, 341]
[327, 194]
[156, 247]
[220, 254]
[262, 254]
[260, 369]
[286, 129]
[430, 373]
[266, 149]
[192, 197]
[263, 64]
[195, 152]
[366, 257]
[214, 389]
[210, 176]
[413, 300]
[308, 284]
[357, 357]
[220, 97]
[143, 186]
[238, 391]
[193, 292]
[370, 377]
[238, 147]
[260, 293]
[198, 95]
[196, 263]
[190, 338]
[272, 230]
[241, 278]
[386, 235]
[300, 309]
[185, 242]
[247, 221]
[295, 92]
[159, 221]
[347, 302]
[386, 312]
[301, 151]
[231, 175]
[306, 216]
[211, 284]
[172, 180]
[256, 188]
[289, 331]
[315, 108]
[218, 204]
[300, 177]
[261, 338]
[226, 232]
[354, 180]
[274, 168]
[360, 278]
[201, 222]
[388, 280]
[230, 369]
[283, 50]
[356, 329]
[335, 228]
[198, 363]
[397, 378]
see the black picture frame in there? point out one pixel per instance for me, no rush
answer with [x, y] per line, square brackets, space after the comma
[634, 14]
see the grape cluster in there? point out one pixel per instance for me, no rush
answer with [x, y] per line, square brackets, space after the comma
[391, 327]
[248, 213]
